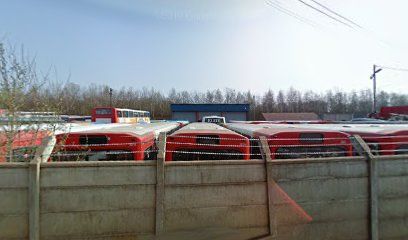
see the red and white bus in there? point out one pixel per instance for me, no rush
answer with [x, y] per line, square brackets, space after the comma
[119, 115]
[111, 142]
[288, 142]
[206, 141]
[383, 139]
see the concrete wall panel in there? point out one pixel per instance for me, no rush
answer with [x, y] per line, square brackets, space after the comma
[393, 208]
[227, 217]
[392, 167]
[334, 230]
[97, 199]
[14, 226]
[215, 233]
[395, 186]
[94, 223]
[393, 198]
[13, 176]
[325, 211]
[394, 228]
[228, 172]
[97, 176]
[13, 201]
[215, 196]
[326, 189]
[353, 168]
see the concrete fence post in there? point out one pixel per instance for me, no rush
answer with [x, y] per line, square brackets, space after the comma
[266, 155]
[161, 156]
[363, 149]
[41, 155]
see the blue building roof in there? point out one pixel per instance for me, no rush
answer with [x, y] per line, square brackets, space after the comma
[209, 107]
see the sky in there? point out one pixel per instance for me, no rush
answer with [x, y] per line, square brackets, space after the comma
[209, 44]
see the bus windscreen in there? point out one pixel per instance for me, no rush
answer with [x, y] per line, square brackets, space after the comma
[103, 111]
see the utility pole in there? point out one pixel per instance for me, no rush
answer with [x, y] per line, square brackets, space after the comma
[110, 96]
[373, 77]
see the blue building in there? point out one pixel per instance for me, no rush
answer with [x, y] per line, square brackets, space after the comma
[195, 112]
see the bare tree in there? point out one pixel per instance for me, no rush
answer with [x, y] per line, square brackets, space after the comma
[21, 95]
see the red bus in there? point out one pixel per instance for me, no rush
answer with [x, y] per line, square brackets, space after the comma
[285, 122]
[389, 142]
[119, 115]
[23, 144]
[287, 142]
[111, 142]
[387, 112]
[399, 142]
[383, 139]
[206, 141]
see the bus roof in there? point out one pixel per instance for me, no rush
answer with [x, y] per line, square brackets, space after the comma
[121, 109]
[253, 130]
[203, 127]
[135, 129]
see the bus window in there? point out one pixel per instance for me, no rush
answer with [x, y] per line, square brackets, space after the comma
[119, 113]
[137, 114]
[147, 114]
[131, 114]
[125, 114]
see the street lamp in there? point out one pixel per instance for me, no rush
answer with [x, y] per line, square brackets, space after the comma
[110, 96]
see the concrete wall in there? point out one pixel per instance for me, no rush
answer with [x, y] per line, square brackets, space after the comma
[110, 201]
[393, 197]
[230, 197]
[225, 199]
[334, 193]
[14, 201]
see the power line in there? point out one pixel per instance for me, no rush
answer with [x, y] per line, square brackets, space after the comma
[350, 23]
[337, 14]
[275, 4]
[367, 32]
[395, 68]
[290, 13]
[326, 14]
